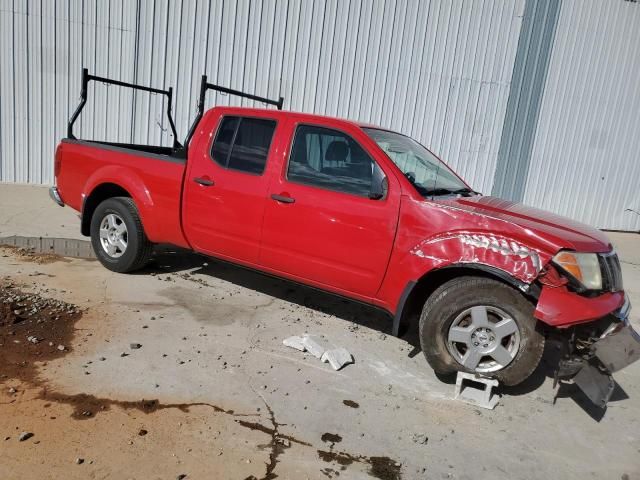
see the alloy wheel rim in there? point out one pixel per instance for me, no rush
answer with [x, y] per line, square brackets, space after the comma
[113, 235]
[483, 339]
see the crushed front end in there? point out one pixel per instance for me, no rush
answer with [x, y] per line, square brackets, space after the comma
[591, 316]
[595, 351]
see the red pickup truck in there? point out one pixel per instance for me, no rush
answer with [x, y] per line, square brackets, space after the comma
[369, 214]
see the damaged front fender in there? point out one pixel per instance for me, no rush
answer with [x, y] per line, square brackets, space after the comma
[496, 251]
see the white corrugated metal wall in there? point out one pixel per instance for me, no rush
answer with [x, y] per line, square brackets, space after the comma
[585, 161]
[439, 71]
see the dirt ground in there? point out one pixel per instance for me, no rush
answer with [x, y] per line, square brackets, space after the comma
[179, 372]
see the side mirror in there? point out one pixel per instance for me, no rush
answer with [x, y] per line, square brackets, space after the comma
[379, 184]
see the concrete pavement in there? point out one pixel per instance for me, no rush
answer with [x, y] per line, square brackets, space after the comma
[27, 210]
[211, 337]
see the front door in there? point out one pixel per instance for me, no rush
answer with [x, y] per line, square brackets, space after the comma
[320, 223]
[226, 187]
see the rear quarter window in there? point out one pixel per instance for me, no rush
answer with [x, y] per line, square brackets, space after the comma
[242, 143]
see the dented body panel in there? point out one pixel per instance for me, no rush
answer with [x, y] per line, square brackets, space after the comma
[492, 250]
[559, 307]
[500, 235]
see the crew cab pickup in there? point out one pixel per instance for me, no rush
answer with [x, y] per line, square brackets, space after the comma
[369, 214]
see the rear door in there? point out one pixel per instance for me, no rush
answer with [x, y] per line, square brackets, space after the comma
[320, 224]
[226, 187]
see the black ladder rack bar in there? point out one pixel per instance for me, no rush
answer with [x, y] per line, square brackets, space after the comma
[204, 86]
[86, 78]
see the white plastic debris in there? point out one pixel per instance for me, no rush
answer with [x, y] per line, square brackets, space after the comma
[315, 345]
[320, 348]
[294, 342]
[337, 357]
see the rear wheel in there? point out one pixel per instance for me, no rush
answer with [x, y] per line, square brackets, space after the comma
[483, 326]
[117, 236]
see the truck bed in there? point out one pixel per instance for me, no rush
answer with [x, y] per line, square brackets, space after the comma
[152, 173]
[135, 148]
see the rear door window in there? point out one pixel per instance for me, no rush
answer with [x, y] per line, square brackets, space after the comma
[331, 160]
[242, 143]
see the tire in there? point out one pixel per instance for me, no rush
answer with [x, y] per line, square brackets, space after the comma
[455, 333]
[119, 219]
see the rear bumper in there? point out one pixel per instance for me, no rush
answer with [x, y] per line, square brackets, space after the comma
[55, 196]
[591, 367]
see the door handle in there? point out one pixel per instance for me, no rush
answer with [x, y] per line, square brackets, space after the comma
[206, 182]
[282, 198]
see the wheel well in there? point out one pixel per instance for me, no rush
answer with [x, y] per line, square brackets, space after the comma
[431, 281]
[95, 198]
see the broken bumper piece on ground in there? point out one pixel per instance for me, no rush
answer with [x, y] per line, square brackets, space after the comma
[617, 347]
[337, 358]
[319, 348]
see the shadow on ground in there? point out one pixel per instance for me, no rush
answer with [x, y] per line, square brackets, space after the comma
[168, 259]
[172, 260]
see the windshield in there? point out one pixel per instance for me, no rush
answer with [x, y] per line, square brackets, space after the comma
[423, 169]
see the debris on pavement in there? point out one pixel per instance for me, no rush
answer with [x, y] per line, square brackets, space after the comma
[337, 357]
[320, 348]
[45, 324]
[476, 390]
[315, 345]
[420, 438]
[294, 342]
[135, 346]
[25, 436]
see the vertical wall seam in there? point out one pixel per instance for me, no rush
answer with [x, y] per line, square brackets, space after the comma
[286, 34]
[28, 95]
[193, 56]
[528, 79]
[13, 59]
[446, 106]
[42, 96]
[120, 66]
[68, 50]
[95, 64]
[136, 53]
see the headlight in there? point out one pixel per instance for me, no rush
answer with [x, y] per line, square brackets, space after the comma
[583, 267]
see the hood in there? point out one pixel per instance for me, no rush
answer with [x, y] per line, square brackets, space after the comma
[557, 230]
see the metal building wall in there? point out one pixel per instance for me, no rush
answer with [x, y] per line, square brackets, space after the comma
[585, 162]
[437, 70]
[525, 97]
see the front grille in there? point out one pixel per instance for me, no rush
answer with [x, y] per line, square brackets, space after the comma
[611, 272]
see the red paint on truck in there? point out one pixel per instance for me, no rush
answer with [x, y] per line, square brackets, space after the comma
[363, 248]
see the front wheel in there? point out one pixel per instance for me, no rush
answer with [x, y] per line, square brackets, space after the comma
[483, 326]
[117, 236]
